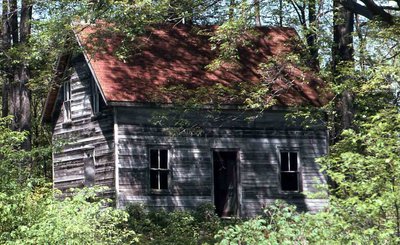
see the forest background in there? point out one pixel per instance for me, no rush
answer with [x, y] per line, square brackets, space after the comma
[352, 45]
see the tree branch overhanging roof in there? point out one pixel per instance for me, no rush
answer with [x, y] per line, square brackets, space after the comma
[167, 65]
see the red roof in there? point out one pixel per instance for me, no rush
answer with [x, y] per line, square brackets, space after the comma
[168, 65]
[169, 62]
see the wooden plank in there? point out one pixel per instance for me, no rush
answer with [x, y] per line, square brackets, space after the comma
[225, 118]
[165, 201]
[84, 131]
[121, 160]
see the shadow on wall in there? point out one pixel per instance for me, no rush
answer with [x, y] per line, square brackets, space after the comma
[191, 162]
[93, 131]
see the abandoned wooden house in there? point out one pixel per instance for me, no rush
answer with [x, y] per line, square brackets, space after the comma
[159, 128]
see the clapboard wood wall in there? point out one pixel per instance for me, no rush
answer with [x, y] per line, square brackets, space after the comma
[122, 136]
[257, 140]
[83, 131]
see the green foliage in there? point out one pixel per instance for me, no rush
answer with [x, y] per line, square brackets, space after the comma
[229, 37]
[365, 166]
[177, 227]
[32, 213]
[249, 232]
[347, 220]
[75, 220]
[12, 158]
[281, 224]
[364, 203]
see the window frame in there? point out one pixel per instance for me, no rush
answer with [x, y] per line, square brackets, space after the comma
[298, 172]
[159, 170]
[67, 94]
[95, 98]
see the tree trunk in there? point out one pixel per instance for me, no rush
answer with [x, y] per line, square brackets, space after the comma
[16, 97]
[257, 12]
[5, 27]
[20, 102]
[26, 16]
[342, 56]
[13, 21]
[312, 35]
[5, 45]
[20, 94]
[342, 35]
[4, 98]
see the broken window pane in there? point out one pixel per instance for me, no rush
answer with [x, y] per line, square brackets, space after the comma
[159, 169]
[289, 171]
[284, 161]
[289, 181]
[293, 161]
[164, 159]
[153, 179]
[153, 158]
[164, 180]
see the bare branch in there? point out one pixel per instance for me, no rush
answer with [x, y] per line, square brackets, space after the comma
[370, 10]
[357, 9]
[378, 11]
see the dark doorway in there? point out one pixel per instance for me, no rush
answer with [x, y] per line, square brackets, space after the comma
[225, 183]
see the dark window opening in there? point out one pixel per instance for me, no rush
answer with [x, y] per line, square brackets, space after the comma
[289, 171]
[225, 183]
[96, 99]
[159, 171]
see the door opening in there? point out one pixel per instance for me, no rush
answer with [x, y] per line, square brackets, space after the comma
[225, 183]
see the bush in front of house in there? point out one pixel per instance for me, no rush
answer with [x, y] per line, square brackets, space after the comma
[177, 227]
[364, 206]
[282, 224]
[36, 216]
[31, 212]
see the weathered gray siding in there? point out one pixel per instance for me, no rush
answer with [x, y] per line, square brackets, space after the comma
[84, 130]
[257, 141]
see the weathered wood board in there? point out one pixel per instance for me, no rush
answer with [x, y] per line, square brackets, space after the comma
[123, 135]
[257, 142]
[82, 131]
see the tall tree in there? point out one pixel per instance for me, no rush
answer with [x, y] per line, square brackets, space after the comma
[307, 16]
[311, 34]
[342, 58]
[5, 45]
[16, 94]
[257, 12]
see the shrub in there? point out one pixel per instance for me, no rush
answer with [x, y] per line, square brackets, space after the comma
[31, 214]
[177, 227]
[208, 222]
[280, 224]
[249, 232]
[75, 220]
